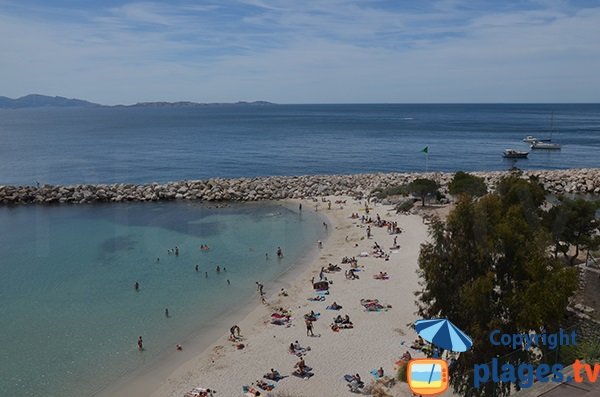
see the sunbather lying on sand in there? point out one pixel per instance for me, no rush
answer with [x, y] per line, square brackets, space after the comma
[312, 316]
[298, 350]
[273, 375]
[334, 306]
[381, 276]
[264, 385]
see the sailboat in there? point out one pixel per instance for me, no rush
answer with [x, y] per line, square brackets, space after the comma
[547, 143]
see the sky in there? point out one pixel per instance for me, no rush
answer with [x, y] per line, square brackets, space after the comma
[302, 51]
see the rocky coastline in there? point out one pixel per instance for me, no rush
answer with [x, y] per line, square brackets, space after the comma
[570, 181]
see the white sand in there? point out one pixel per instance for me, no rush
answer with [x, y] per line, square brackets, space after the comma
[375, 340]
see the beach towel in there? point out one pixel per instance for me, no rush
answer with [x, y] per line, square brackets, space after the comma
[266, 386]
[276, 379]
[318, 298]
[375, 374]
[250, 391]
[331, 308]
[316, 317]
[305, 375]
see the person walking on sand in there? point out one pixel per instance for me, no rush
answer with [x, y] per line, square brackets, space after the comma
[140, 344]
[369, 231]
[309, 328]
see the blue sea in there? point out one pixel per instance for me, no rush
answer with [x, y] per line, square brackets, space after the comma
[70, 314]
[101, 145]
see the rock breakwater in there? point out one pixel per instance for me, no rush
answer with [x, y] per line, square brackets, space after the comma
[278, 187]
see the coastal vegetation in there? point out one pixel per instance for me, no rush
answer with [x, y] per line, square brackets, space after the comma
[423, 188]
[464, 183]
[573, 224]
[488, 267]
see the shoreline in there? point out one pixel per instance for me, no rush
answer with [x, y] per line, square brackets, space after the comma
[144, 381]
[580, 180]
[221, 367]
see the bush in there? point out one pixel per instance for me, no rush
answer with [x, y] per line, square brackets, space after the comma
[463, 183]
[405, 206]
[400, 190]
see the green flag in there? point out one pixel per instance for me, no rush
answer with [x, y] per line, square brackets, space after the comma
[426, 149]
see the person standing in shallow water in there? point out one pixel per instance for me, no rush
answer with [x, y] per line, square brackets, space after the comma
[279, 253]
[140, 344]
[136, 286]
[167, 312]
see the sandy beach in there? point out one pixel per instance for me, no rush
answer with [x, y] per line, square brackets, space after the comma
[378, 339]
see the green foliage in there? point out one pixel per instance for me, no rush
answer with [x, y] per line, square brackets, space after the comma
[588, 351]
[401, 373]
[463, 183]
[423, 187]
[487, 267]
[400, 190]
[405, 206]
[573, 223]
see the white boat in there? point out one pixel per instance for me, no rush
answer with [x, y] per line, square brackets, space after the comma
[531, 139]
[514, 154]
[545, 145]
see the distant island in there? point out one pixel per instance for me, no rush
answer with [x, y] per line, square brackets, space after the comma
[38, 101]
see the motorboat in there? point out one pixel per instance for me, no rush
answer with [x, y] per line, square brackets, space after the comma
[545, 145]
[514, 154]
[531, 139]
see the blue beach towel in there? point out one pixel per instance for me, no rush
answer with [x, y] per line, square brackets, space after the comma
[375, 374]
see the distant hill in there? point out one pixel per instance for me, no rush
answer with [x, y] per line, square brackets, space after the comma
[37, 101]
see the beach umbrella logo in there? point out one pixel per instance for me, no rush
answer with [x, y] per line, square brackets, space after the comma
[443, 334]
[429, 376]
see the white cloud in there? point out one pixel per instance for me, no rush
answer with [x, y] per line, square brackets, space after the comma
[312, 51]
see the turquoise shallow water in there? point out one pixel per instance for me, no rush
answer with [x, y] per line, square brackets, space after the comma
[70, 315]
